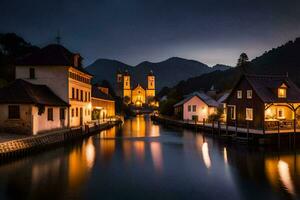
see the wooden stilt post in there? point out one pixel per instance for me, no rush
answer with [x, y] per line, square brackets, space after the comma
[295, 127]
[278, 130]
[235, 127]
[226, 128]
[248, 130]
[203, 123]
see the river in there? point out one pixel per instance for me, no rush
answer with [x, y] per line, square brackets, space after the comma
[142, 160]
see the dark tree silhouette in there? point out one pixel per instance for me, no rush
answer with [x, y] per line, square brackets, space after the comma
[243, 59]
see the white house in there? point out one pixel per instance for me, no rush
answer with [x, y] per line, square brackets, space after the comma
[61, 70]
[26, 108]
[196, 106]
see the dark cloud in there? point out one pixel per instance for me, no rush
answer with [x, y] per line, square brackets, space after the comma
[211, 31]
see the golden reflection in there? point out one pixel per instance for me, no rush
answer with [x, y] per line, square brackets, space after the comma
[126, 145]
[155, 132]
[205, 155]
[156, 153]
[80, 163]
[278, 171]
[110, 133]
[90, 153]
[285, 176]
[107, 148]
[225, 155]
[139, 147]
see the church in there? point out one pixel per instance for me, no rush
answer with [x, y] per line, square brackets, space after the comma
[136, 94]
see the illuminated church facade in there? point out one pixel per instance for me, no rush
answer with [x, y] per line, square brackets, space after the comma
[138, 95]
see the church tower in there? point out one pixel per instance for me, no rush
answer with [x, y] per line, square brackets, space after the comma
[151, 85]
[119, 83]
[126, 85]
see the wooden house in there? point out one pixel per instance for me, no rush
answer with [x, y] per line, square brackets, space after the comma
[196, 106]
[263, 102]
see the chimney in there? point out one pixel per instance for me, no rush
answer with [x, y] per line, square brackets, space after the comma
[77, 60]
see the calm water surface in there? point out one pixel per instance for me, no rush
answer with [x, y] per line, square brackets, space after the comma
[141, 160]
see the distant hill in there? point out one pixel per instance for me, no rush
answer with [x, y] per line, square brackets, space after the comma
[281, 60]
[167, 72]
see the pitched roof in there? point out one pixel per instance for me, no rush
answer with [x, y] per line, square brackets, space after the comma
[23, 92]
[96, 93]
[223, 98]
[201, 95]
[51, 55]
[266, 87]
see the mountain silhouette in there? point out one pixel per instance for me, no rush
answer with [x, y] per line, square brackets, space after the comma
[167, 72]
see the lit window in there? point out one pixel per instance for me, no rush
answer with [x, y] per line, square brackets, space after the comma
[249, 114]
[232, 112]
[280, 113]
[239, 94]
[281, 92]
[249, 94]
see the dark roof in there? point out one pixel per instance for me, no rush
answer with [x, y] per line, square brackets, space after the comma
[202, 96]
[51, 55]
[266, 87]
[97, 93]
[23, 92]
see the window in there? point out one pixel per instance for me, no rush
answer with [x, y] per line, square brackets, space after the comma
[281, 92]
[50, 114]
[76, 112]
[249, 94]
[73, 93]
[232, 112]
[280, 113]
[89, 112]
[61, 113]
[77, 94]
[81, 95]
[249, 114]
[14, 112]
[189, 108]
[239, 94]
[89, 96]
[31, 73]
[85, 96]
[194, 108]
[72, 112]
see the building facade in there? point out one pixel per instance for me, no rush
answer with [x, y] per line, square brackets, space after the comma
[61, 71]
[196, 106]
[103, 105]
[264, 102]
[138, 94]
[31, 109]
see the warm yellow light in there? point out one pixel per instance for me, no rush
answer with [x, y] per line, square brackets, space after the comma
[285, 176]
[205, 154]
[89, 106]
[281, 93]
[225, 155]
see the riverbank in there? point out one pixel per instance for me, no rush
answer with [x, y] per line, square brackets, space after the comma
[231, 133]
[24, 146]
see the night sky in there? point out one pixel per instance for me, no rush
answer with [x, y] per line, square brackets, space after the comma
[211, 31]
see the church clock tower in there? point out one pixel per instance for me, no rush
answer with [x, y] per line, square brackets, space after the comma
[126, 85]
[151, 85]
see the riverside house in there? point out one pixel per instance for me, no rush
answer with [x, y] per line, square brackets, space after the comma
[28, 108]
[66, 86]
[264, 102]
[103, 105]
[62, 71]
[196, 106]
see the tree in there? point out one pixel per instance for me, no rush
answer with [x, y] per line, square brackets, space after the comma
[243, 59]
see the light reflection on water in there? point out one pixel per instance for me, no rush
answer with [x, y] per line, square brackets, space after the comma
[141, 160]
